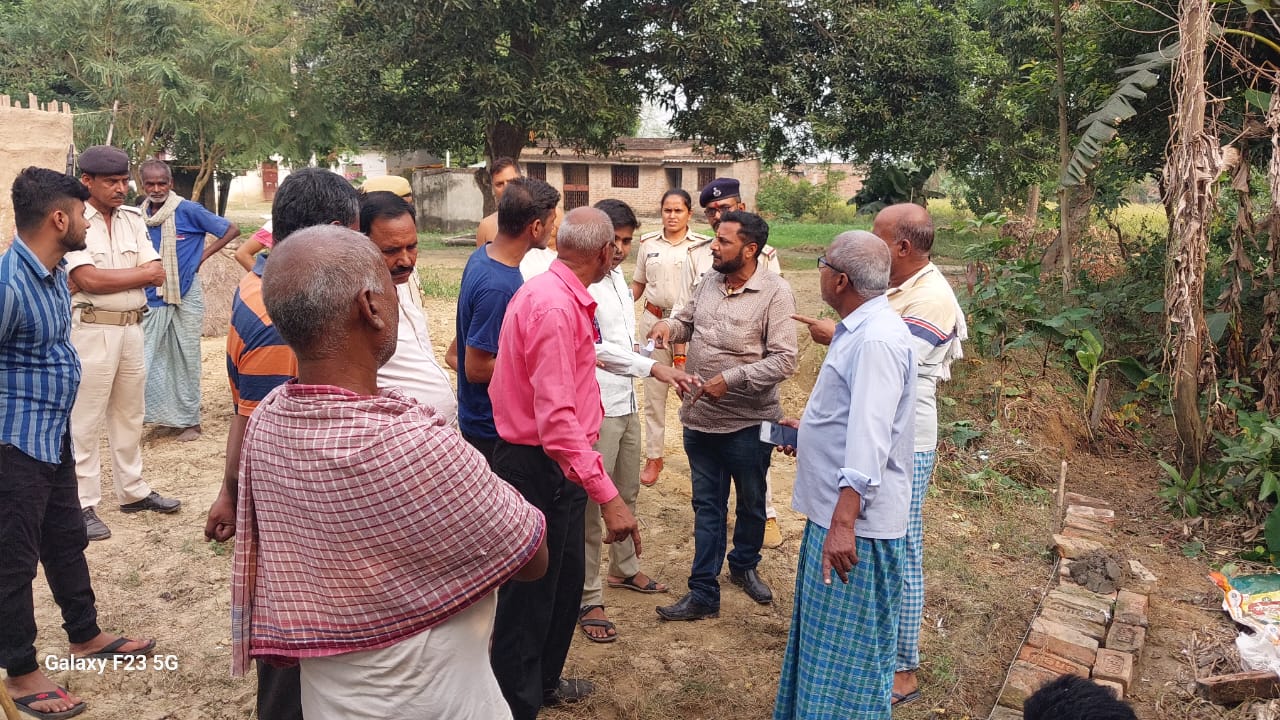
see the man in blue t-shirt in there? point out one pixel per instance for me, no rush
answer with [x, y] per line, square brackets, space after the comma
[491, 277]
[175, 310]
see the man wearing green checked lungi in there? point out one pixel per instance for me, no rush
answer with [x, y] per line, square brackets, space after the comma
[853, 481]
[175, 310]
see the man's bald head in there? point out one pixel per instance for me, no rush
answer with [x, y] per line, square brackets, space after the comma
[312, 282]
[584, 231]
[905, 222]
[864, 258]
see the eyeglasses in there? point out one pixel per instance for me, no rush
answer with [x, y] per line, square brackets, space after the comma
[822, 262]
[714, 209]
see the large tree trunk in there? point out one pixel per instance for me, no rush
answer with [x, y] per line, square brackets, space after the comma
[1193, 164]
[501, 139]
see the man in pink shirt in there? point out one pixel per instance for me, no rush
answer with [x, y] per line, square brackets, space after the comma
[546, 406]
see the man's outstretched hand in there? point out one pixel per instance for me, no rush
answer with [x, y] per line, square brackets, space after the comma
[820, 329]
[682, 381]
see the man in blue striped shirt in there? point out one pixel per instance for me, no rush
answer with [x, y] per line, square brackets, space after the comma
[39, 375]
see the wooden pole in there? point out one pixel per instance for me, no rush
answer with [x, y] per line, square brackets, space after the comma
[10, 710]
[1062, 492]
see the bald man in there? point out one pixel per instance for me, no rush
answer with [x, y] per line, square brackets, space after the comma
[547, 410]
[386, 615]
[924, 299]
[840, 655]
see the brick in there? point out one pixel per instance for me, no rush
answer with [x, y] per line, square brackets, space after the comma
[1059, 638]
[1049, 661]
[1082, 591]
[1115, 688]
[1073, 548]
[1086, 599]
[1074, 532]
[1065, 607]
[1004, 713]
[1114, 666]
[1024, 679]
[1102, 515]
[1126, 638]
[1088, 525]
[1089, 628]
[1131, 608]
[1086, 501]
[1142, 580]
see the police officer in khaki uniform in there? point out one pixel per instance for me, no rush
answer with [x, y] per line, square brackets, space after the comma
[720, 196]
[107, 281]
[659, 281]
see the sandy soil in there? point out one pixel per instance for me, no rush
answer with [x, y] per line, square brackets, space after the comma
[986, 560]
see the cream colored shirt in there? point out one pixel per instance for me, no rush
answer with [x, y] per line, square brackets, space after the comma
[928, 305]
[660, 267]
[127, 246]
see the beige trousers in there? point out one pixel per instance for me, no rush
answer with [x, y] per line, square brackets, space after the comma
[112, 389]
[655, 393]
[619, 444]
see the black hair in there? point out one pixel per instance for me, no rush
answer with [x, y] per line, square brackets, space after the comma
[680, 193]
[1075, 698]
[524, 201]
[620, 213]
[312, 196]
[39, 191]
[156, 163]
[753, 228]
[382, 205]
[502, 163]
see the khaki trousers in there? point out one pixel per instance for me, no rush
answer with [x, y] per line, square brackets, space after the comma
[655, 393]
[619, 444]
[112, 389]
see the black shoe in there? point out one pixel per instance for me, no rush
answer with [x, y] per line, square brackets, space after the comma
[568, 692]
[756, 589]
[686, 608]
[93, 527]
[153, 502]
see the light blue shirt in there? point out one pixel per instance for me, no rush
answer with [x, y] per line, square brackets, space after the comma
[858, 429]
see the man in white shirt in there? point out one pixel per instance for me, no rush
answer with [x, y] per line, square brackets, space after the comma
[389, 222]
[618, 364]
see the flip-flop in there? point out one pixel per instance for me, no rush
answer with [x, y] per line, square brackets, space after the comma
[24, 704]
[900, 699]
[568, 692]
[112, 650]
[586, 622]
[631, 584]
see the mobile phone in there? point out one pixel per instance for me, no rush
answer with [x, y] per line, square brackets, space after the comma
[776, 434]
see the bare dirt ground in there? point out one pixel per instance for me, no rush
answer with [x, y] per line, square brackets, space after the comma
[986, 558]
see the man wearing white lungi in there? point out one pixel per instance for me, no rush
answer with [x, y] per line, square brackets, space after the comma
[175, 310]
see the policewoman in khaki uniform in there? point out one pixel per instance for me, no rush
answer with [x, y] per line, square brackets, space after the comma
[660, 283]
[107, 281]
[720, 196]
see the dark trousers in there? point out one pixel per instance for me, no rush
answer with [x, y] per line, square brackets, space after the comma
[715, 459]
[484, 445]
[40, 520]
[535, 620]
[279, 692]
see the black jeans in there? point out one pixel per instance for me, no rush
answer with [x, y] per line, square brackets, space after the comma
[41, 521]
[535, 620]
[279, 692]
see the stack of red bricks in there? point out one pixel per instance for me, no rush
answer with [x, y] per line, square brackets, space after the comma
[1078, 631]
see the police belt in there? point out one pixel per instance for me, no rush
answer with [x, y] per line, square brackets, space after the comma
[656, 311]
[93, 316]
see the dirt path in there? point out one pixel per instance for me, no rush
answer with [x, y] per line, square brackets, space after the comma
[986, 560]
